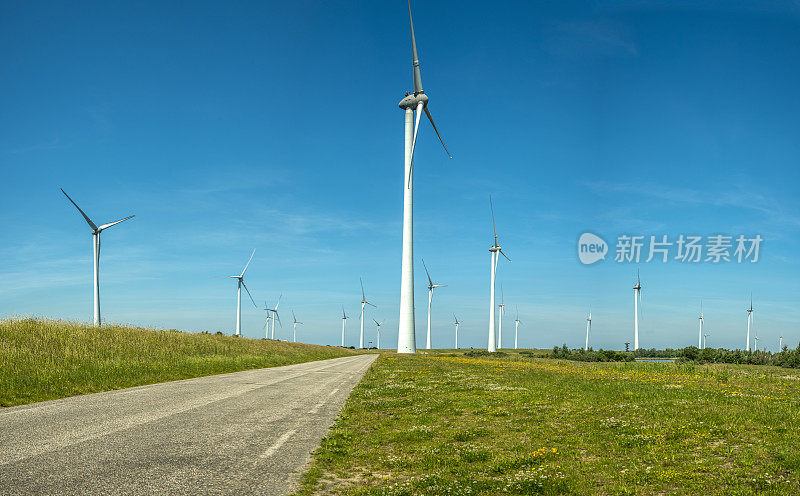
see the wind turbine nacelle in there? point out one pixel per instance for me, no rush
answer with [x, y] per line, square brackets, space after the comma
[412, 101]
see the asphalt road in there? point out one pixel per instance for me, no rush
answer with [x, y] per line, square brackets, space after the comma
[243, 433]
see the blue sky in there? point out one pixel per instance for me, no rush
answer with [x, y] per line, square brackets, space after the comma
[231, 126]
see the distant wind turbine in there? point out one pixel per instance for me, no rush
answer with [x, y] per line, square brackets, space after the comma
[637, 300]
[240, 283]
[705, 336]
[516, 328]
[431, 287]
[378, 324]
[363, 302]
[268, 311]
[456, 322]
[749, 320]
[780, 343]
[502, 307]
[96, 230]
[406, 340]
[700, 334]
[344, 323]
[294, 327]
[275, 315]
[588, 328]
[494, 250]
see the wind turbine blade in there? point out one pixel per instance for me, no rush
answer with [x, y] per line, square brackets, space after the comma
[502, 253]
[88, 220]
[293, 316]
[430, 118]
[248, 262]
[414, 58]
[279, 302]
[363, 296]
[430, 282]
[248, 294]
[106, 226]
[494, 226]
[414, 142]
[440, 285]
[370, 304]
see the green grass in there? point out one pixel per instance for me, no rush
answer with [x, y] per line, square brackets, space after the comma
[47, 359]
[512, 424]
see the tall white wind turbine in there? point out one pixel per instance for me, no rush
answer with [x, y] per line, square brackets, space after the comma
[456, 322]
[431, 287]
[96, 230]
[294, 327]
[588, 328]
[378, 324]
[275, 315]
[268, 311]
[700, 334]
[749, 320]
[363, 302]
[344, 324]
[418, 102]
[494, 250]
[516, 329]
[637, 300]
[239, 284]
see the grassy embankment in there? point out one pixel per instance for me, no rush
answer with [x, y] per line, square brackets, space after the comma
[47, 359]
[453, 425]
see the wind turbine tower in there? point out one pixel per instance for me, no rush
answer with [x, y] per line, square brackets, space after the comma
[588, 328]
[749, 320]
[494, 250]
[363, 302]
[516, 329]
[418, 102]
[96, 230]
[378, 324]
[275, 316]
[700, 335]
[294, 327]
[431, 287]
[502, 307]
[637, 299]
[456, 322]
[344, 324]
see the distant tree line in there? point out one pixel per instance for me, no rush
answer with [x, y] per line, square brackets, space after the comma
[784, 358]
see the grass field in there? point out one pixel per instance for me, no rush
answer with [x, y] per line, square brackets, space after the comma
[46, 359]
[452, 425]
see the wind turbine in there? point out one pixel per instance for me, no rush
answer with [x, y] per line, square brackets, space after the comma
[588, 328]
[268, 311]
[275, 315]
[431, 287]
[494, 250]
[294, 327]
[344, 323]
[637, 300]
[780, 345]
[706, 335]
[418, 102]
[502, 307]
[379, 332]
[749, 319]
[700, 335]
[516, 328]
[456, 322]
[240, 283]
[363, 302]
[96, 230]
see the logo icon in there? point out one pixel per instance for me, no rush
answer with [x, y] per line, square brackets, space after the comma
[591, 248]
